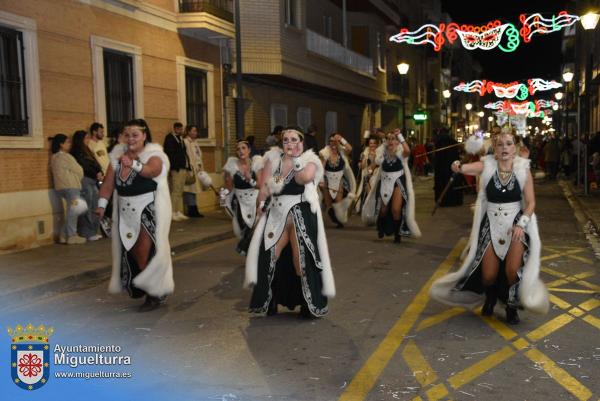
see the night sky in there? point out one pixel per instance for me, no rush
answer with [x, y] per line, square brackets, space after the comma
[540, 58]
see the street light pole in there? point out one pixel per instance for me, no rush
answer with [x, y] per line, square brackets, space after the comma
[468, 106]
[446, 94]
[239, 106]
[403, 70]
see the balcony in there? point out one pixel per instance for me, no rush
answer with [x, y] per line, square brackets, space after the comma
[332, 50]
[207, 20]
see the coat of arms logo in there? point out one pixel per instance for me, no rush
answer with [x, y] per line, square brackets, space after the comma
[30, 355]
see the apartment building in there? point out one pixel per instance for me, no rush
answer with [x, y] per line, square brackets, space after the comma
[67, 63]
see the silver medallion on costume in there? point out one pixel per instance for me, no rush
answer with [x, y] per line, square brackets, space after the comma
[247, 202]
[277, 217]
[388, 180]
[334, 178]
[130, 215]
[502, 217]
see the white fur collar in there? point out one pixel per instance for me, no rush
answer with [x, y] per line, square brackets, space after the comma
[380, 153]
[307, 157]
[231, 166]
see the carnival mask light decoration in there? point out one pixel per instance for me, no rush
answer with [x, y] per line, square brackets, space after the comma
[485, 37]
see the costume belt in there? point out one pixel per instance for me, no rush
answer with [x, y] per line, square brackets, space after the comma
[277, 217]
[501, 217]
[247, 202]
[130, 217]
[334, 178]
[388, 180]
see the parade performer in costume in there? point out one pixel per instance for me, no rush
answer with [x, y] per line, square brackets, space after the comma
[391, 201]
[504, 255]
[339, 186]
[368, 168]
[288, 259]
[241, 191]
[142, 214]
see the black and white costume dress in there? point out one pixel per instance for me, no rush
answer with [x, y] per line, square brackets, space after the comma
[392, 172]
[277, 278]
[141, 203]
[365, 178]
[338, 173]
[498, 208]
[240, 203]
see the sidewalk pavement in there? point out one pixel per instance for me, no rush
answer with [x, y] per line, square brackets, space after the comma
[59, 268]
[590, 204]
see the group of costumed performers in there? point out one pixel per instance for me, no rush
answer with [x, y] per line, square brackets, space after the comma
[391, 201]
[338, 186]
[367, 169]
[137, 180]
[503, 261]
[288, 259]
[239, 196]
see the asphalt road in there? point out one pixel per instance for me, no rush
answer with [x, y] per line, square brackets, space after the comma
[383, 339]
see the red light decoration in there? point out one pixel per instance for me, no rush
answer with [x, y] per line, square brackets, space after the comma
[509, 90]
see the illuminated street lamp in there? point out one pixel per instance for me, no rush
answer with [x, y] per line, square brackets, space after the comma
[558, 95]
[446, 94]
[590, 20]
[468, 106]
[567, 76]
[403, 70]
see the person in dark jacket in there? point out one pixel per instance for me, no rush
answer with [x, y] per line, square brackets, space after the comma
[310, 139]
[442, 172]
[175, 149]
[88, 223]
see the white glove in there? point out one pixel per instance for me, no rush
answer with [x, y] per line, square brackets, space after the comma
[401, 138]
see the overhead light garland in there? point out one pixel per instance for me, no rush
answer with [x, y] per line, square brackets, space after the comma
[509, 90]
[506, 36]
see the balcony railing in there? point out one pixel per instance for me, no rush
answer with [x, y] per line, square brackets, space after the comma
[333, 50]
[219, 8]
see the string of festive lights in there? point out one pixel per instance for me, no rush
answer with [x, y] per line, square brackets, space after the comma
[535, 23]
[520, 108]
[509, 90]
[505, 37]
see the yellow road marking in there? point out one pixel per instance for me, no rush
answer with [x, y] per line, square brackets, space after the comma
[583, 275]
[480, 367]
[590, 304]
[587, 284]
[437, 392]
[500, 327]
[553, 272]
[415, 360]
[417, 398]
[549, 327]
[573, 290]
[559, 302]
[563, 378]
[368, 374]
[440, 317]
[557, 283]
[581, 259]
[593, 320]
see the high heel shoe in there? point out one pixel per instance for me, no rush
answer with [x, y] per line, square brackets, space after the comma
[512, 316]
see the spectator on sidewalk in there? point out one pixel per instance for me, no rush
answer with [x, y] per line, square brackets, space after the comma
[310, 139]
[175, 150]
[67, 175]
[194, 152]
[88, 223]
[137, 180]
[274, 138]
[97, 146]
[551, 158]
[419, 154]
[253, 151]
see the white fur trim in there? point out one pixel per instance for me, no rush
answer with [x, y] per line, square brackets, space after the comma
[532, 291]
[157, 278]
[257, 163]
[231, 166]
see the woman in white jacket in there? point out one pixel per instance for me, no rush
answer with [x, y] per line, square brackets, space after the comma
[504, 255]
[194, 153]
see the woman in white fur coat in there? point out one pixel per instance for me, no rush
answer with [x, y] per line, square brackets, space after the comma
[339, 186]
[240, 176]
[391, 201]
[288, 259]
[504, 255]
[368, 168]
[141, 253]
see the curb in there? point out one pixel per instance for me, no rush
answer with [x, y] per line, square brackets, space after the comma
[573, 199]
[89, 278]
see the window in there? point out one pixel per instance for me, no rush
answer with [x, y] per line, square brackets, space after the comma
[291, 13]
[327, 26]
[330, 123]
[118, 82]
[20, 97]
[118, 89]
[196, 102]
[196, 98]
[13, 105]
[278, 115]
[303, 118]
